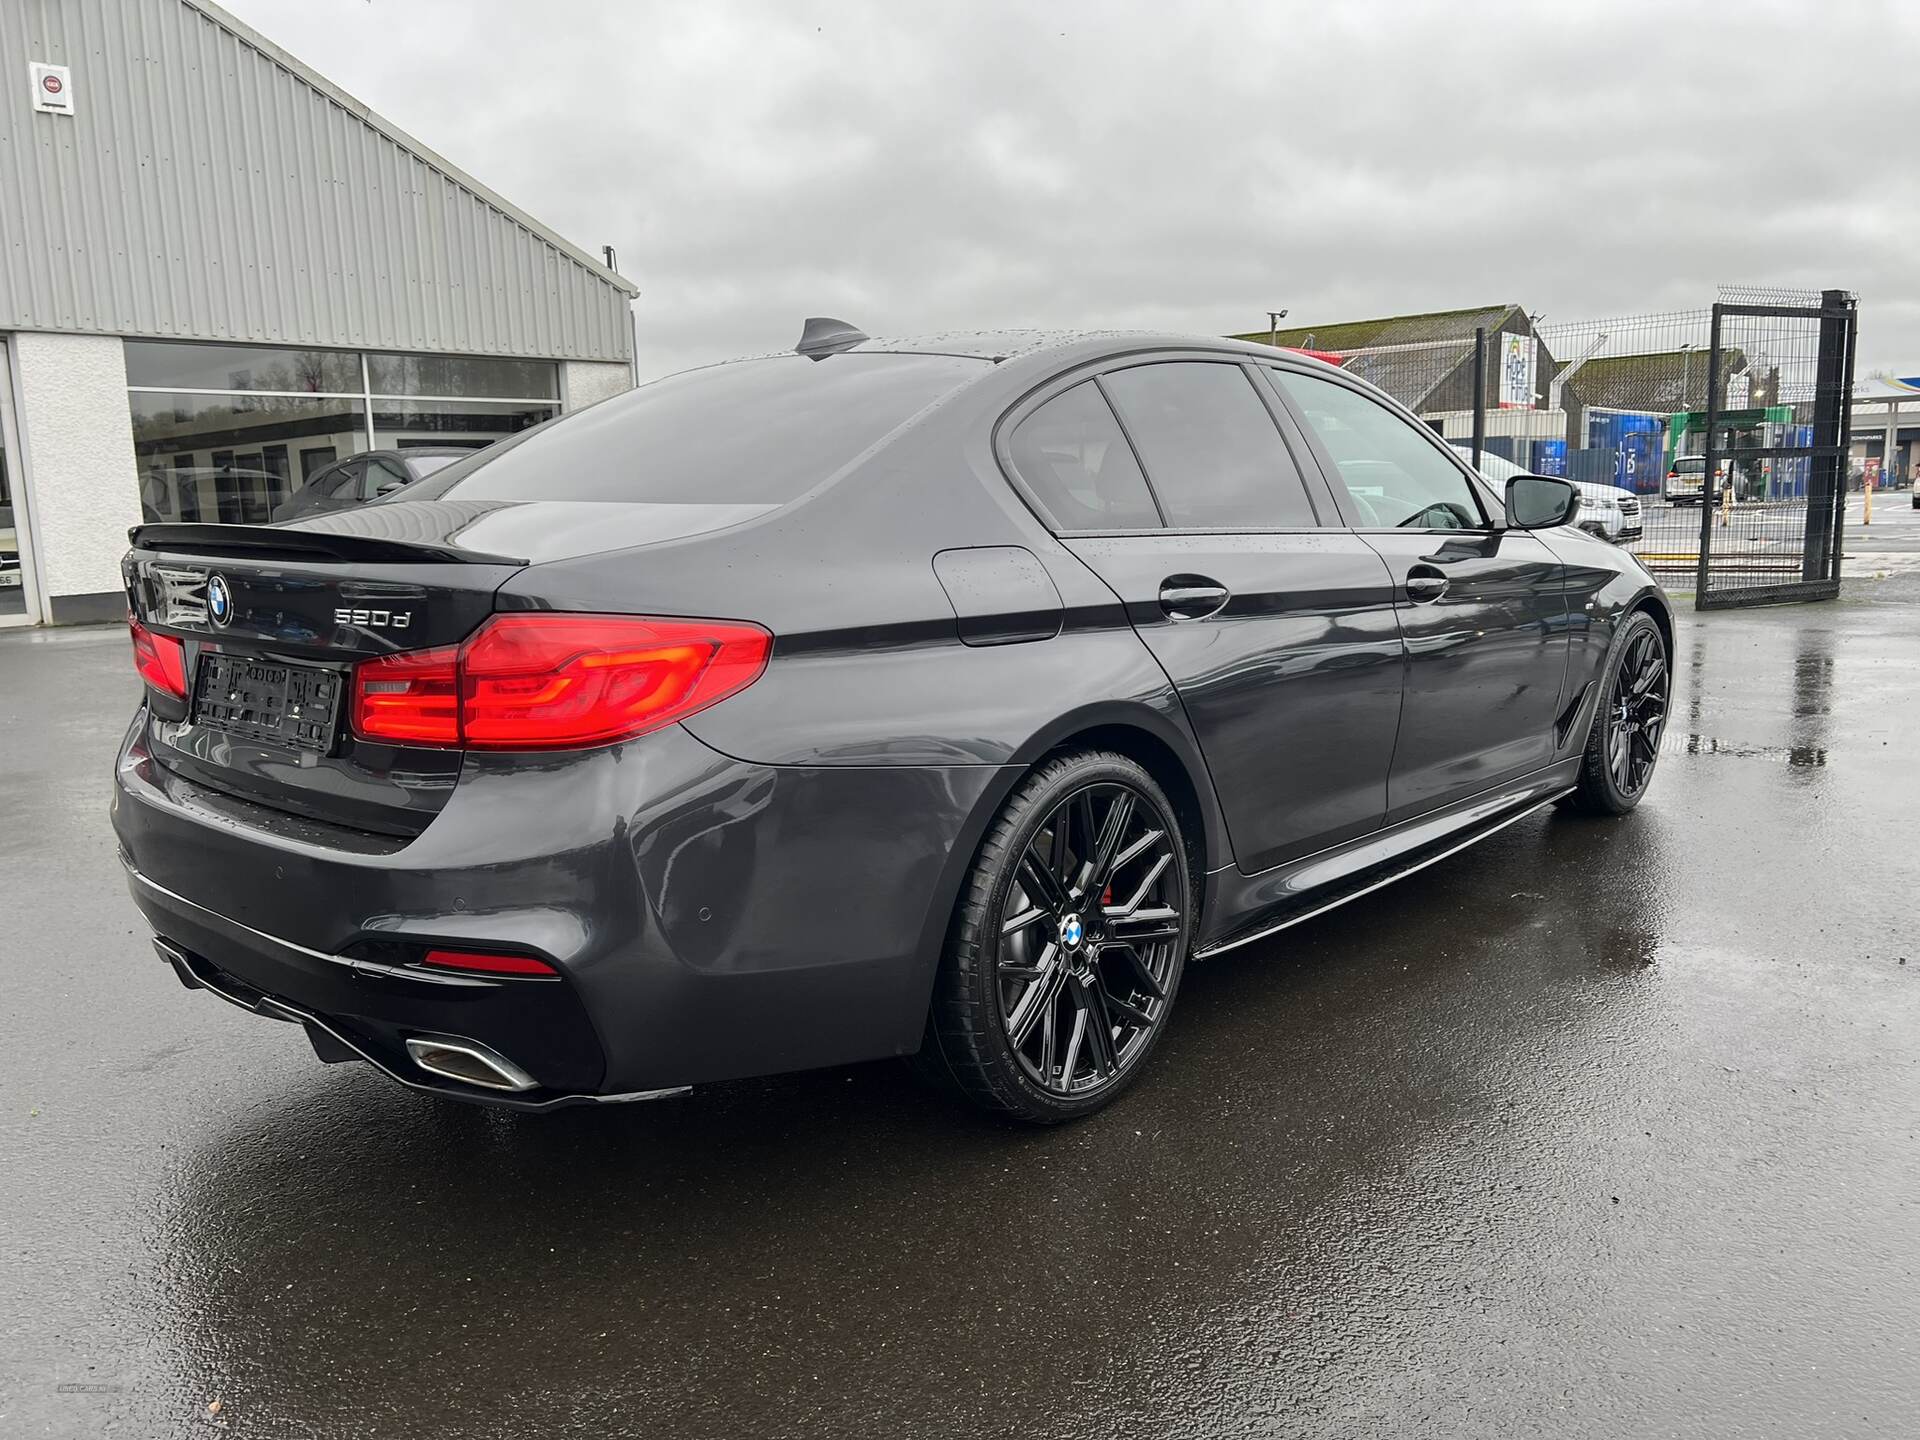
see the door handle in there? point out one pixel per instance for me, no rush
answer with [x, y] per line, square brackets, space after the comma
[1192, 597]
[1425, 584]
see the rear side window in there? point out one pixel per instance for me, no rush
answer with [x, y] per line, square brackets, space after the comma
[1210, 447]
[1077, 463]
[754, 432]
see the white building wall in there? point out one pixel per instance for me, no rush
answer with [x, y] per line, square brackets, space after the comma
[1522, 424]
[585, 382]
[78, 471]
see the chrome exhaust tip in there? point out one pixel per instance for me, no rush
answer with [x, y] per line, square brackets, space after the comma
[469, 1062]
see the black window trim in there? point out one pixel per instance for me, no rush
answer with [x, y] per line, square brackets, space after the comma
[1492, 514]
[1322, 501]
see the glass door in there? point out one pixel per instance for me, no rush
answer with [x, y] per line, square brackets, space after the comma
[16, 594]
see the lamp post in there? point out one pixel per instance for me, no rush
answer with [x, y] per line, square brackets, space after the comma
[1274, 317]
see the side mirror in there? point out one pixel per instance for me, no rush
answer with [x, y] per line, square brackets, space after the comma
[1539, 502]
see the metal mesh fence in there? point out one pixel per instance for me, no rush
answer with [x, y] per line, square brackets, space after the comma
[1623, 407]
[1630, 394]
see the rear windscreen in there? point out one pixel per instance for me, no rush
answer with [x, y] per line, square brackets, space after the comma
[756, 432]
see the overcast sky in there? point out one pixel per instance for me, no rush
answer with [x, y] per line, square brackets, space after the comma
[917, 166]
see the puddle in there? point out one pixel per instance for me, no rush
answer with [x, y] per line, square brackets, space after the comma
[1799, 756]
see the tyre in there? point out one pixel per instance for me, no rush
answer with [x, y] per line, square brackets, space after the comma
[1623, 742]
[1067, 947]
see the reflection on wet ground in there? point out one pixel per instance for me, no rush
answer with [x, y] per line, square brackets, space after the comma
[1600, 1129]
[1714, 745]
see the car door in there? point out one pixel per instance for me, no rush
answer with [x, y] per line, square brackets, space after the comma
[1482, 609]
[1276, 629]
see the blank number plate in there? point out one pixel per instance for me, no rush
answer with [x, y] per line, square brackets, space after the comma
[292, 705]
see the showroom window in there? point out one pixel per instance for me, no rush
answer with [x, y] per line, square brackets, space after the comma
[231, 432]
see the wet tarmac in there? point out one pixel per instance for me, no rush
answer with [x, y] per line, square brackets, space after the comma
[1601, 1129]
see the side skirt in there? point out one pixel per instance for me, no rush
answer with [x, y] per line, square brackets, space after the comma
[1289, 894]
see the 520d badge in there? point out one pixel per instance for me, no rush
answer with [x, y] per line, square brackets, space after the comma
[374, 619]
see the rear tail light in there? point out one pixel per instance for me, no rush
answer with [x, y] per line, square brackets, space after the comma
[556, 682]
[478, 963]
[160, 659]
[412, 698]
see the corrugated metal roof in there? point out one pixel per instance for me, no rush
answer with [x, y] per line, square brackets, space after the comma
[210, 186]
[1433, 325]
[1408, 356]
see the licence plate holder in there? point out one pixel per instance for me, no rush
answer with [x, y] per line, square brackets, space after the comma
[271, 701]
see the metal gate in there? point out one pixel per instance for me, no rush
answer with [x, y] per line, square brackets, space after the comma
[1711, 443]
[1775, 438]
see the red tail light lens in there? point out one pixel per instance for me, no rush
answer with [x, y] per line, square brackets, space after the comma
[546, 681]
[160, 659]
[412, 698]
[476, 963]
[556, 682]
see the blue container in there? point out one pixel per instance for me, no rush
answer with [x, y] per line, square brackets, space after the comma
[1638, 445]
[1549, 457]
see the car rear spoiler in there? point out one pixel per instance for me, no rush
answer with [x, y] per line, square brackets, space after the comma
[274, 542]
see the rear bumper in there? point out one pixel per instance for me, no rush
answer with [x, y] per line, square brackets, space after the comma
[710, 919]
[336, 1038]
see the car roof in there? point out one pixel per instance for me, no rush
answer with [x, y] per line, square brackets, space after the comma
[997, 346]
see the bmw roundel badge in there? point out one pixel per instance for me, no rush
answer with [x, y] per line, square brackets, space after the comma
[1072, 932]
[219, 600]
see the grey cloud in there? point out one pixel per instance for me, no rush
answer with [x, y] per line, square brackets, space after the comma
[915, 167]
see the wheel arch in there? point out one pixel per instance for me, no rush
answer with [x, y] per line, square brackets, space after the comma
[1156, 738]
[1142, 733]
[1656, 605]
[1159, 759]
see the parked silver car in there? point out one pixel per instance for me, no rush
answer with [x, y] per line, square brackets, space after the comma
[1608, 511]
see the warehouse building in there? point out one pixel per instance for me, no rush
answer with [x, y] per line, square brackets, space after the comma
[219, 273]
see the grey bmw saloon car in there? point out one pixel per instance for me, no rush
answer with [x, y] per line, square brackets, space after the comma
[941, 699]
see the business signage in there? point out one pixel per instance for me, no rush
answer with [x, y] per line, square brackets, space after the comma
[1517, 359]
[52, 88]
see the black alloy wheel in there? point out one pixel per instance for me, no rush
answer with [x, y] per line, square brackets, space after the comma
[1624, 744]
[1069, 944]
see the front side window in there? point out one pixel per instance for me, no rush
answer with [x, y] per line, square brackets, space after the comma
[1077, 463]
[383, 476]
[1210, 447]
[1395, 474]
